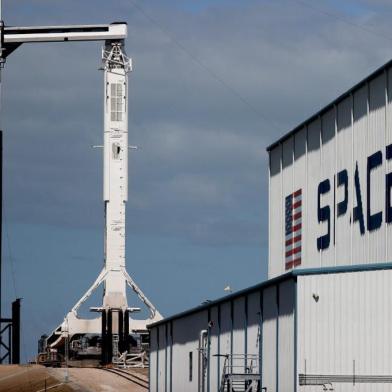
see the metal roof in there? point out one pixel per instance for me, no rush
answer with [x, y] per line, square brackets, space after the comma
[289, 275]
[331, 105]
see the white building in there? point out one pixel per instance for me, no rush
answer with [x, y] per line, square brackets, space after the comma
[308, 327]
[336, 169]
[323, 320]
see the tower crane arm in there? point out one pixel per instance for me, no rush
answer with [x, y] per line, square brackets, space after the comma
[13, 37]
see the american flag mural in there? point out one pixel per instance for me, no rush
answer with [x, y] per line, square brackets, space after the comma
[293, 229]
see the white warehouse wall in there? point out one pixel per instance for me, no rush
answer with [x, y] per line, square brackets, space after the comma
[213, 371]
[260, 321]
[341, 162]
[153, 378]
[344, 328]
[269, 339]
[186, 333]
[323, 320]
[325, 324]
[286, 337]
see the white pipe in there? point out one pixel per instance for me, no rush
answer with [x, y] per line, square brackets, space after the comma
[202, 355]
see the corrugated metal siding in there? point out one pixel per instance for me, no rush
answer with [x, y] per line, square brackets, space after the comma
[344, 161]
[254, 317]
[287, 188]
[255, 323]
[359, 248]
[186, 339]
[328, 169]
[344, 318]
[226, 330]
[269, 346]
[340, 318]
[162, 359]
[286, 337]
[169, 342]
[312, 229]
[275, 247]
[214, 360]
[388, 164]
[153, 360]
[300, 181]
[342, 144]
[239, 326]
[376, 142]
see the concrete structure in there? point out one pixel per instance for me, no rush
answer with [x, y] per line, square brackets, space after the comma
[309, 329]
[330, 183]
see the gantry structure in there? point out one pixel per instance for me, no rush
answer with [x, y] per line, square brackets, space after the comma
[114, 314]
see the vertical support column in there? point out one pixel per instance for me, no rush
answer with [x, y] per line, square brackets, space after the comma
[16, 331]
[203, 337]
[121, 342]
[209, 348]
[231, 334]
[219, 345]
[104, 338]
[277, 336]
[261, 325]
[109, 336]
[171, 357]
[9, 343]
[126, 330]
[166, 343]
[157, 367]
[246, 319]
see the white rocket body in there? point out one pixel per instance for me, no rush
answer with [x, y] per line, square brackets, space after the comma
[115, 182]
[113, 276]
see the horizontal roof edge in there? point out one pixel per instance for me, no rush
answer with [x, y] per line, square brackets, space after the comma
[229, 297]
[343, 268]
[330, 105]
[278, 279]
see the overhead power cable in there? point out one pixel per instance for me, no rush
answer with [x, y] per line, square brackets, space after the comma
[343, 19]
[203, 66]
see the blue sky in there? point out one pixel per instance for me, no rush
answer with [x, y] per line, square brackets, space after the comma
[214, 83]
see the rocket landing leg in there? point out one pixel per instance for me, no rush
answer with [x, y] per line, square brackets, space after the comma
[74, 325]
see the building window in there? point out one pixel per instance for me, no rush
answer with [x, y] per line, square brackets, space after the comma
[190, 365]
[116, 103]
